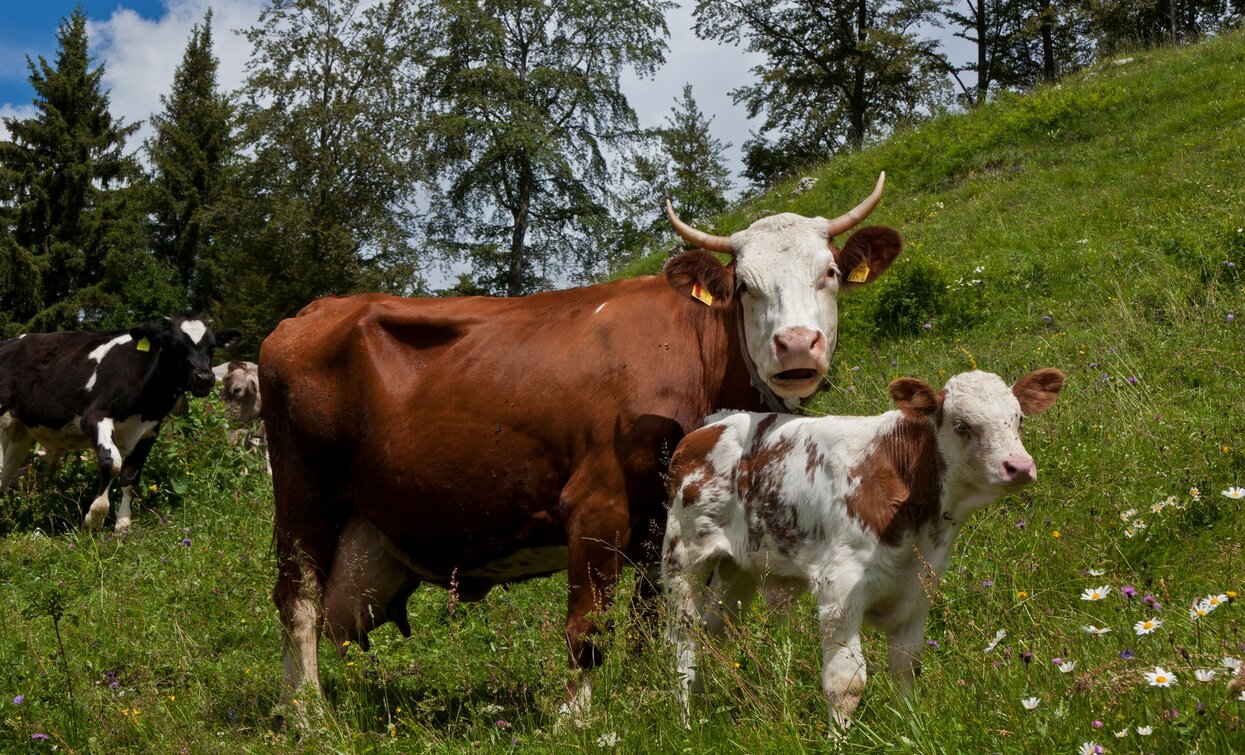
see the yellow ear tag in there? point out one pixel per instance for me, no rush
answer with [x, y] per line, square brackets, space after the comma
[700, 293]
[143, 345]
[860, 273]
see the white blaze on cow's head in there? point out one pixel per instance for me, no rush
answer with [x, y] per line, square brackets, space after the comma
[787, 277]
[977, 419]
[183, 347]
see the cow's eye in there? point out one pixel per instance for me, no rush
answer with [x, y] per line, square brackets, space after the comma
[962, 428]
[743, 287]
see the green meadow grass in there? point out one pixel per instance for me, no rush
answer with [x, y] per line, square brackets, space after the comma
[1095, 226]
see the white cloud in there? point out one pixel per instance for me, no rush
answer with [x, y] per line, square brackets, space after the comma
[21, 112]
[140, 55]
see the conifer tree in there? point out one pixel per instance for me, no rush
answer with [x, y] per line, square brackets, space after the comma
[65, 256]
[687, 165]
[191, 152]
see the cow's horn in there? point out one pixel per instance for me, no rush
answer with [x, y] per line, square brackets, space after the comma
[859, 212]
[698, 238]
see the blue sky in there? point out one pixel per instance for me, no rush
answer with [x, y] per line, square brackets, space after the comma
[29, 29]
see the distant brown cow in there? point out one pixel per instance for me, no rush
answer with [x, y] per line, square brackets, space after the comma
[475, 441]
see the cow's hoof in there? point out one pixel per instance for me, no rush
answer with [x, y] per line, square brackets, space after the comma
[122, 528]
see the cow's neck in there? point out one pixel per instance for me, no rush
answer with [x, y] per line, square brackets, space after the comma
[158, 395]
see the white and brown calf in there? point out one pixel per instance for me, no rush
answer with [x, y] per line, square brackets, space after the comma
[861, 511]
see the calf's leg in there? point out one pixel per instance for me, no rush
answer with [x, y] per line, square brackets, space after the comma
[683, 581]
[905, 644]
[108, 458]
[843, 664]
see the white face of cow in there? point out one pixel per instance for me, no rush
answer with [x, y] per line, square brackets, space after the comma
[979, 435]
[788, 275]
[788, 283]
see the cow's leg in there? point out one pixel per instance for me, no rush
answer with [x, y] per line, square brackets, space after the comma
[598, 532]
[108, 457]
[131, 470]
[15, 443]
[843, 664]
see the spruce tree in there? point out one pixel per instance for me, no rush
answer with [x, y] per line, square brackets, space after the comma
[191, 151]
[64, 184]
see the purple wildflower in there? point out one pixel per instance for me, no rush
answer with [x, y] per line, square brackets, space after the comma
[19, 699]
[1020, 523]
[114, 684]
[987, 583]
[1126, 654]
[1026, 656]
[1106, 378]
[1128, 591]
[1093, 365]
[928, 325]
[185, 543]
[1150, 601]
[894, 363]
[932, 643]
[39, 735]
[1096, 724]
[1045, 318]
[856, 368]
[1057, 661]
[501, 723]
[1132, 380]
[1231, 316]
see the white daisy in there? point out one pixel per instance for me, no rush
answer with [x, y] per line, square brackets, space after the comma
[1198, 610]
[1127, 515]
[1145, 731]
[1091, 629]
[1067, 666]
[1160, 677]
[1233, 493]
[1096, 593]
[1214, 601]
[1147, 626]
[998, 637]
[1195, 494]
[1091, 748]
[1096, 572]
[1231, 663]
[1122, 733]
[1030, 703]
[1205, 675]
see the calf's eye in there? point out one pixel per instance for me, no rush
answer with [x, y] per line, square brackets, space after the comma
[962, 428]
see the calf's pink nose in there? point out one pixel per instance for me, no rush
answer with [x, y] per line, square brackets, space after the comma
[1020, 468]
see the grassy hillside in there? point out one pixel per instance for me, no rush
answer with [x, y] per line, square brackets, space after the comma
[1097, 226]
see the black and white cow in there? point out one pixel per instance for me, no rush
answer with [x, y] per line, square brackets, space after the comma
[860, 511]
[106, 391]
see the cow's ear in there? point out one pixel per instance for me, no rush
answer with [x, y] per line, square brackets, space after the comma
[1038, 390]
[867, 254]
[915, 398]
[152, 332]
[227, 338]
[697, 274]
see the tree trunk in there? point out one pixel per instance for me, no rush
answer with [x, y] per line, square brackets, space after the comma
[856, 103]
[518, 234]
[983, 66]
[1049, 70]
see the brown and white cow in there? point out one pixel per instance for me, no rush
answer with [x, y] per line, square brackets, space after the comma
[475, 441]
[239, 389]
[860, 511]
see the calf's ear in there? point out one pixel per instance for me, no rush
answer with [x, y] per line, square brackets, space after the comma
[695, 274]
[1037, 390]
[867, 254]
[227, 338]
[915, 398]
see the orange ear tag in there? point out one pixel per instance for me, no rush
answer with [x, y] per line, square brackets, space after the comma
[698, 292]
[860, 273]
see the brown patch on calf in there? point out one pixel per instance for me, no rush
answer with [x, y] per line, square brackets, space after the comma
[878, 244]
[690, 457]
[685, 270]
[900, 482]
[767, 510]
[1038, 390]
